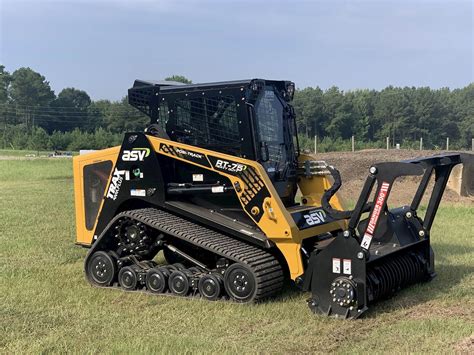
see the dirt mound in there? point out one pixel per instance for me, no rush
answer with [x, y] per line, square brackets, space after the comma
[354, 168]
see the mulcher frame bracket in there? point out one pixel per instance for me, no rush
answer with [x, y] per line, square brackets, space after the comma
[394, 233]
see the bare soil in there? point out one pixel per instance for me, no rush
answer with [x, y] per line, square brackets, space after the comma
[354, 168]
[465, 346]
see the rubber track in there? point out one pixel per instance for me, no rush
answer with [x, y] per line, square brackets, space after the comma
[267, 269]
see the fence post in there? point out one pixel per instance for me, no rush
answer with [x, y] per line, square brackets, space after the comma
[447, 143]
[315, 144]
[472, 144]
[388, 143]
[421, 143]
[353, 143]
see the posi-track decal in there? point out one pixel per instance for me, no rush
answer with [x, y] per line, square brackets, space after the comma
[374, 217]
[185, 154]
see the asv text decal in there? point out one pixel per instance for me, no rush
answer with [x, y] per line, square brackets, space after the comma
[136, 154]
[315, 217]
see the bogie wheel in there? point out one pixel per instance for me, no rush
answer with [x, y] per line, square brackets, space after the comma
[156, 280]
[210, 286]
[128, 278]
[179, 283]
[240, 283]
[101, 268]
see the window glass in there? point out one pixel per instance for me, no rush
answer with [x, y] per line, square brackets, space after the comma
[269, 110]
[95, 182]
[270, 113]
[164, 114]
[208, 121]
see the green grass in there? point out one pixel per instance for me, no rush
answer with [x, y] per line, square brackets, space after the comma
[25, 153]
[22, 153]
[47, 306]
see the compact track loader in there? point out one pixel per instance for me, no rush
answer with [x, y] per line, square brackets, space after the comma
[218, 184]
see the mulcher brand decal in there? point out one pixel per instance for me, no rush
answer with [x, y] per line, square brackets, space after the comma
[136, 154]
[374, 217]
[115, 184]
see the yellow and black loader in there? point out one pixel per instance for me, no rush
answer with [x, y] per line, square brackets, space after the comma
[218, 184]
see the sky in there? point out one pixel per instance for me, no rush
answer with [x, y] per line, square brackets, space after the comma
[102, 46]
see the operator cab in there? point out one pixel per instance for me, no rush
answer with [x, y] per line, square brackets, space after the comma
[252, 119]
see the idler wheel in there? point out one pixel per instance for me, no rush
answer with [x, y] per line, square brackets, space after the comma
[101, 268]
[240, 283]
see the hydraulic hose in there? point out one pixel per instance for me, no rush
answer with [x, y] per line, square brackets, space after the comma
[326, 205]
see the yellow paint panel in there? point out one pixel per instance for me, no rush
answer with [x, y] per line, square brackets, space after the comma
[276, 221]
[84, 236]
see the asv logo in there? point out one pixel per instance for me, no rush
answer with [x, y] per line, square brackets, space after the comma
[115, 184]
[315, 217]
[136, 154]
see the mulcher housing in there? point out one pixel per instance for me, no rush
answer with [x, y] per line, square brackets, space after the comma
[213, 183]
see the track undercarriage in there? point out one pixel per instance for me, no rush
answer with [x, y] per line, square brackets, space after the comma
[201, 262]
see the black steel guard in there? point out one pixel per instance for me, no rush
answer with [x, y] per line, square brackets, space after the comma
[385, 174]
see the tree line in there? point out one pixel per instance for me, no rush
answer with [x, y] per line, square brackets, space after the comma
[32, 116]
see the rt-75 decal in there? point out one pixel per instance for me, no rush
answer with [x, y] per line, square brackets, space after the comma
[229, 166]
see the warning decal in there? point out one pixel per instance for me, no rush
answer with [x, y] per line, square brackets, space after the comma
[347, 266]
[366, 241]
[198, 177]
[336, 265]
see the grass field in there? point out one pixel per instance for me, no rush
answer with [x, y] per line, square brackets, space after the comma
[47, 306]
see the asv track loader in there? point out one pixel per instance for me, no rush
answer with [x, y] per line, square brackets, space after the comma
[218, 184]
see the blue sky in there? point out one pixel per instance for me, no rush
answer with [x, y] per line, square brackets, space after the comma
[101, 46]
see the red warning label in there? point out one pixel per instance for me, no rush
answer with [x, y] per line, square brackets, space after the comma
[374, 217]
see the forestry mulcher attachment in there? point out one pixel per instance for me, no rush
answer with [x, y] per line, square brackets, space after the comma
[213, 182]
